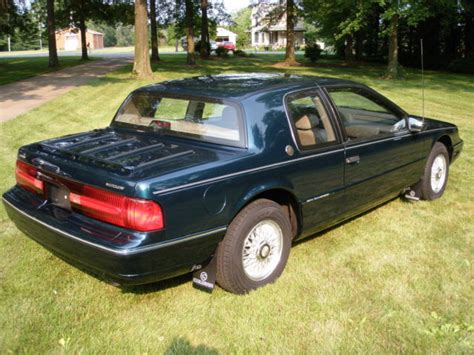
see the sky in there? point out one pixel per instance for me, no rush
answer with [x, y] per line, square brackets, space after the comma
[233, 5]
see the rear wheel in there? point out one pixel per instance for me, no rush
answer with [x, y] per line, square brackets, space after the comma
[255, 249]
[435, 177]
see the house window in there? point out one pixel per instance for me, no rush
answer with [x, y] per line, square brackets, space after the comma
[256, 37]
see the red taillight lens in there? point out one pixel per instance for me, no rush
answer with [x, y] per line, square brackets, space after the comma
[136, 214]
[26, 177]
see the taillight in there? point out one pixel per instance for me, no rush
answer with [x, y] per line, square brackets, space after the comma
[25, 175]
[131, 213]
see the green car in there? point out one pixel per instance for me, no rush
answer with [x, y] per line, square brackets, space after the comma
[219, 175]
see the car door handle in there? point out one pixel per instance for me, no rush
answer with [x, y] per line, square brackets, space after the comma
[353, 160]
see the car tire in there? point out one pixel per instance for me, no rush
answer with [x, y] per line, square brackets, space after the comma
[255, 248]
[435, 176]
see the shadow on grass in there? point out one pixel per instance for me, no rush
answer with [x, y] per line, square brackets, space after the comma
[157, 286]
[340, 224]
[178, 281]
[173, 67]
[181, 345]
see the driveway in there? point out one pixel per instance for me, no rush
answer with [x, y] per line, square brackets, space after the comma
[22, 96]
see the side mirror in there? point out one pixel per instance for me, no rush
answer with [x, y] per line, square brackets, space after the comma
[415, 124]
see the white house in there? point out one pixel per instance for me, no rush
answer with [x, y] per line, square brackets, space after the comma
[224, 35]
[272, 34]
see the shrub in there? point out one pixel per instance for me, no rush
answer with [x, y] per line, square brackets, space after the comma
[312, 51]
[240, 53]
[465, 65]
[222, 52]
[197, 47]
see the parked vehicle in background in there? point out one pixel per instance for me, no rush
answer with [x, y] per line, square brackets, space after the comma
[227, 45]
[213, 45]
[228, 169]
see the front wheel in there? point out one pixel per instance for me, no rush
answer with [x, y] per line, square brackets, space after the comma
[255, 249]
[435, 177]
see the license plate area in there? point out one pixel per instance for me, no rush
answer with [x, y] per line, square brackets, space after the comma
[59, 196]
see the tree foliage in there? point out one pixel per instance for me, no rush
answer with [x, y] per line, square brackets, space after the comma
[240, 25]
[390, 30]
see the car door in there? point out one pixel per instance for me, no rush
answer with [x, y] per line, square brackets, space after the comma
[381, 156]
[318, 171]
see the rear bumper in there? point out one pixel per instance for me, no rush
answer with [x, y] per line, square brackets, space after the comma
[94, 248]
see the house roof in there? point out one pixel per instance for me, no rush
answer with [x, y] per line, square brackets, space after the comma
[222, 32]
[94, 32]
[76, 30]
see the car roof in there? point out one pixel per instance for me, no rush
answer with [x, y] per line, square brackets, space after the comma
[240, 86]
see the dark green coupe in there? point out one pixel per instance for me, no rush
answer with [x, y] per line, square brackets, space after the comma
[230, 169]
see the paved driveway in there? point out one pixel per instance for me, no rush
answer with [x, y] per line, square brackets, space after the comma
[22, 96]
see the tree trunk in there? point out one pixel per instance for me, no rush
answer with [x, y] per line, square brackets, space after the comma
[290, 33]
[53, 52]
[83, 29]
[393, 66]
[204, 31]
[469, 31]
[359, 45]
[349, 49]
[141, 64]
[191, 59]
[155, 55]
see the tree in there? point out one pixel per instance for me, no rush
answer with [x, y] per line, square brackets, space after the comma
[53, 52]
[285, 9]
[204, 31]
[191, 58]
[290, 33]
[413, 12]
[141, 64]
[155, 56]
[393, 65]
[83, 28]
[241, 22]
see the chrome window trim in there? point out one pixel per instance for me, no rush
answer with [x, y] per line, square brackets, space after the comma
[124, 252]
[391, 138]
[309, 156]
[334, 125]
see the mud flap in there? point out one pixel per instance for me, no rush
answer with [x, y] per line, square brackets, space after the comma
[204, 278]
[413, 192]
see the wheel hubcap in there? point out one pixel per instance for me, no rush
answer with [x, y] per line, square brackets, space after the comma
[438, 173]
[262, 250]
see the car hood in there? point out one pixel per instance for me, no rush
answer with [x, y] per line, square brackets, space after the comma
[119, 159]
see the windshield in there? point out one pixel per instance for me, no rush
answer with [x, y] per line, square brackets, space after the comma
[210, 121]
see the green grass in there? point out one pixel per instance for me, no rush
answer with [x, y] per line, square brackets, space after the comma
[397, 279]
[14, 69]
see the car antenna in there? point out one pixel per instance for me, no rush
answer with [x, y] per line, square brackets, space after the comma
[422, 83]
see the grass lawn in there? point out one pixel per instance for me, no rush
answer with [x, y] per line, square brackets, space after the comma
[14, 69]
[397, 279]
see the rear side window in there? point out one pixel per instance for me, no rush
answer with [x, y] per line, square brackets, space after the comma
[311, 123]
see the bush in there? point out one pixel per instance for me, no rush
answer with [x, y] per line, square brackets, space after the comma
[465, 66]
[312, 51]
[240, 53]
[222, 52]
[197, 47]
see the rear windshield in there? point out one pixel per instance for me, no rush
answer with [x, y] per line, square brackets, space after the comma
[210, 121]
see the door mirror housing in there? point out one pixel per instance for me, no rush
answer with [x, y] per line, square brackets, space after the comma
[415, 124]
